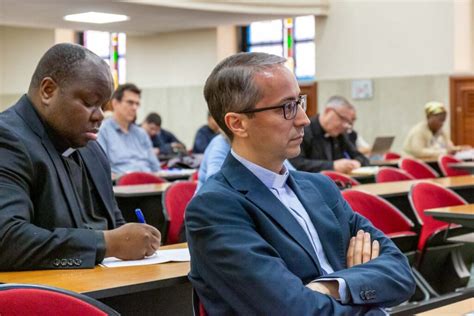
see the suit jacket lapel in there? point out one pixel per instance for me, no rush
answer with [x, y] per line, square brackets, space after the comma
[324, 220]
[25, 109]
[97, 173]
[256, 192]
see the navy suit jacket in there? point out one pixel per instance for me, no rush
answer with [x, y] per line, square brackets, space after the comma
[41, 226]
[250, 256]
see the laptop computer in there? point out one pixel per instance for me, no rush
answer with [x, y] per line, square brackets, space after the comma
[382, 144]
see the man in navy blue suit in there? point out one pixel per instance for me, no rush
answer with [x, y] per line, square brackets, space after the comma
[267, 241]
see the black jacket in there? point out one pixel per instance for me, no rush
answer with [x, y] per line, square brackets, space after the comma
[317, 150]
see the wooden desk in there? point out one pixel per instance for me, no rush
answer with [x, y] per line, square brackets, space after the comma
[458, 303]
[462, 214]
[465, 165]
[172, 174]
[148, 198]
[140, 290]
[459, 309]
[397, 192]
[140, 190]
[385, 163]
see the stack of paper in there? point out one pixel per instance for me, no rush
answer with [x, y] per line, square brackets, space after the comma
[160, 256]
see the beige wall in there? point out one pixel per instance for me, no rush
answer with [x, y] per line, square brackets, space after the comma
[172, 68]
[20, 50]
[385, 38]
[407, 48]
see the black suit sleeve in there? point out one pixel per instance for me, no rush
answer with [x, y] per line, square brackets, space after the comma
[351, 149]
[24, 245]
[307, 160]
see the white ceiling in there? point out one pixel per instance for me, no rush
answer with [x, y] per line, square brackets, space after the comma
[152, 16]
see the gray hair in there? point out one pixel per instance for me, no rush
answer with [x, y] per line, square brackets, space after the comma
[337, 101]
[231, 88]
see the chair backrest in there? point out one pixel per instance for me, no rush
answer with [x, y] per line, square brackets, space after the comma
[390, 174]
[337, 176]
[391, 155]
[139, 178]
[194, 176]
[444, 161]
[381, 213]
[417, 168]
[427, 195]
[175, 200]
[28, 299]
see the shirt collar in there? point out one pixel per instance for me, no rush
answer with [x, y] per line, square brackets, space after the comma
[116, 125]
[269, 178]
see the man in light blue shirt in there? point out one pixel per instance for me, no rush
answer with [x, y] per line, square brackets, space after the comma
[268, 241]
[127, 145]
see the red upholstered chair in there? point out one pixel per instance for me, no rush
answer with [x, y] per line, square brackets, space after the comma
[426, 195]
[417, 168]
[340, 177]
[27, 299]
[385, 217]
[390, 174]
[139, 178]
[391, 155]
[194, 176]
[175, 200]
[444, 161]
[440, 262]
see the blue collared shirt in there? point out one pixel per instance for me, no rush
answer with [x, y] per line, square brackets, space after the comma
[127, 152]
[276, 183]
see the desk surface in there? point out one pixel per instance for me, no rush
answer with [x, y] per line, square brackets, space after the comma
[403, 187]
[458, 308]
[102, 282]
[140, 189]
[464, 211]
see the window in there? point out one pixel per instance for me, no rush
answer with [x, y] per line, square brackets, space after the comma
[112, 48]
[290, 38]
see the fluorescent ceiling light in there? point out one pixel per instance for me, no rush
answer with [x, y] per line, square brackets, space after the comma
[96, 17]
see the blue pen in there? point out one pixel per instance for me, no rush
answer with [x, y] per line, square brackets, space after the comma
[140, 217]
[346, 155]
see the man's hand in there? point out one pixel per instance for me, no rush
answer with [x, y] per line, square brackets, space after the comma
[345, 165]
[361, 249]
[330, 288]
[132, 241]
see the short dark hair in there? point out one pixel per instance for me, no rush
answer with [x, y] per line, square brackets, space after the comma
[118, 93]
[153, 118]
[62, 63]
[231, 88]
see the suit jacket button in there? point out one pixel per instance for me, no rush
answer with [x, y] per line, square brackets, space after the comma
[70, 262]
[77, 262]
[64, 262]
[363, 295]
[56, 262]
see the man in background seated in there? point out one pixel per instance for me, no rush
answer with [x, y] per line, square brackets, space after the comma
[204, 135]
[57, 207]
[325, 144]
[268, 241]
[127, 145]
[164, 142]
[427, 139]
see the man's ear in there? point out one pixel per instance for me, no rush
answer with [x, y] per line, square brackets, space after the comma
[236, 123]
[48, 89]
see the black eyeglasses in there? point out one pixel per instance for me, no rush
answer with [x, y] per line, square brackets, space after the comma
[290, 108]
[347, 122]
